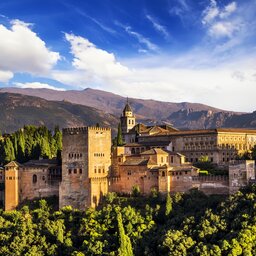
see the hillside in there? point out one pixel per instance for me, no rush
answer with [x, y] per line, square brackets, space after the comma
[19, 110]
[183, 115]
[113, 103]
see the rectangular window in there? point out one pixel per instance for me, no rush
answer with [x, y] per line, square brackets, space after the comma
[75, 171]
[69, 171]
[80, 171]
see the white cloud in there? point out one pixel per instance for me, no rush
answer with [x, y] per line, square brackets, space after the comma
[222, 29]
[158, 27]
[38, 85]
[96, 61]
[185, 78]
[218, 20]
[21, 50]
[210, 12]
[5, 76]
[228, 9]
[141, 39]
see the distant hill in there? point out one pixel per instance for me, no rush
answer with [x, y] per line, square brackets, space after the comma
[17, 110]
[182, 115]
[113, 103]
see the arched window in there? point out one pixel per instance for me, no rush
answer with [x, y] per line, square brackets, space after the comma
[34, 178]
[163, 173]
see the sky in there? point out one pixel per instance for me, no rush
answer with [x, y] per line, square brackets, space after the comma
[170, 50]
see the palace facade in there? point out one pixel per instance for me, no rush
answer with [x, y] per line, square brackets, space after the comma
[158, 158]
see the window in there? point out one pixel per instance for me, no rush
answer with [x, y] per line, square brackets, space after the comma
[43, 178]
[163, 174]
[75, 171]
[80, 171]
[69, 171]
[34, 178]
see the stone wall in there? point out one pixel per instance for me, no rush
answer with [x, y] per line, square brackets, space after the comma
[240, 174]
[86, 162]
[36, 182]
[211, 184]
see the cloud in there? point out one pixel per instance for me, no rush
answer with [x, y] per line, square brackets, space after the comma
[5, 76]
[89, 58]
[21, 50]
[100, 24]
[92, 63]
[188, 77]
[218, 22]
[38, 85]
[158, 27]
[223, 29]
[210, 13]
[228, 10]
[141, 39]
[179, 9]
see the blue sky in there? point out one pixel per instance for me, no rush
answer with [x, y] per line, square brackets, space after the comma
[171, 50]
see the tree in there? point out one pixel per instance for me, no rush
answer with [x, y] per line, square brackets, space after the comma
[119, 136]
[125, 248]
[135, 190]
[9, 154]
[168, 206]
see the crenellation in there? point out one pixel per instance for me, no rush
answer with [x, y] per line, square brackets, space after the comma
[153, 157]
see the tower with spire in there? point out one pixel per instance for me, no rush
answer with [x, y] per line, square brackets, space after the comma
[127, 118]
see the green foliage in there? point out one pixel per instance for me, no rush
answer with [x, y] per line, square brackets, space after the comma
[168, 206]
[119, 136]
[30, 143]
[125, 248]
[135, 191]
[196, 225]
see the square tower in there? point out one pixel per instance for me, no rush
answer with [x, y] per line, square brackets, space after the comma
[11, 198]
[86, 160]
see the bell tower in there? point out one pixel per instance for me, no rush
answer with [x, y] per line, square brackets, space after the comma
[127, 118]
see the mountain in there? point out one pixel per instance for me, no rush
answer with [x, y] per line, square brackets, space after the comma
[18, 110]
[113, 103]
[182, 115]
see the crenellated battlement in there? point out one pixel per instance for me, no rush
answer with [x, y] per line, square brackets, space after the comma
[84, 129]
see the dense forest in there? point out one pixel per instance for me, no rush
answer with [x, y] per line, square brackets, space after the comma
[181, 224]
[30, 142]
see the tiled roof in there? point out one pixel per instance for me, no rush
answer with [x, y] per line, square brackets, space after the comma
[154, 151]
[12, 164]
[41, 162]
[204, 131]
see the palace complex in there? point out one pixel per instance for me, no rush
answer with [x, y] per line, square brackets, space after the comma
[156, 158]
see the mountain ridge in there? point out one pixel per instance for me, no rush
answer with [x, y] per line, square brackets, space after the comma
[182, 115]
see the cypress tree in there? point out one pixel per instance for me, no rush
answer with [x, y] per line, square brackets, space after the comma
[8, 151]
[119, 136]
[125, 248]
[168, 206]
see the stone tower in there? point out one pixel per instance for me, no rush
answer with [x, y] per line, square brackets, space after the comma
[127, 119]
[240, 174]
[11, 198]
[86, 160]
